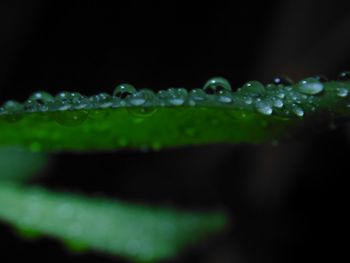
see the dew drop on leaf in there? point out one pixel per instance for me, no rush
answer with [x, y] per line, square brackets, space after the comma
[310, 86]
[285, 81]
[12, 106]
[254, 87]
[298, 111]
[124, 90]
[142, 97]
[342, 92]
[248, 100]
[176, 97]
[197, 95]
[41, 97]
[102, 100]
[344, 76]
[14, 110]
[31, 106]
[217, 84]
[263, 107]
[225, 96]
[281, 95]
[278, 103]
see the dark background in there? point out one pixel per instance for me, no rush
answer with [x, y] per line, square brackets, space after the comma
[288, 202]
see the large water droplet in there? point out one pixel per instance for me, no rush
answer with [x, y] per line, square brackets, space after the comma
[263, 107]
[344, 76]
[12, 106]
[254, 87]
[285, 81]
[310, 86]
[14, 110]
[41, 97]
[124, 90]
[65, 100]
[342, 92]
[214, 85]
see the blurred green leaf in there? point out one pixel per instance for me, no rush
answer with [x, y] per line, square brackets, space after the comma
[18, 164]
[138, 232]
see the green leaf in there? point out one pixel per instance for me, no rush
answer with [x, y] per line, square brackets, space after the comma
[136, 232]
[173, 117]
[18, 164]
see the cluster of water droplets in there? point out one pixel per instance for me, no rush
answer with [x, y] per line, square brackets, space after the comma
[281, 96]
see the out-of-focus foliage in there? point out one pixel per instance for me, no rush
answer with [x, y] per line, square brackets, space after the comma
[18, 164]
[137, 232]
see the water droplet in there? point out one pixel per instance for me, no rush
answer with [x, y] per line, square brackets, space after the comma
[298, 111]
[254, 87]
[342, 92]
[310, 86]
[12, 106]
[197, 95]
[70, 118]
[282, 81]
[214, 85]
[124, 90]
[174, 96]
[14, 110]
[71, 97]
[225, 96]
[142, 97]
[102, 100]
[65, 100]
[41, 97]
[281, 95]
[278, 103]
[142, 111]
[263, 107]
[31, 106]
[344, 76]
[248, 100]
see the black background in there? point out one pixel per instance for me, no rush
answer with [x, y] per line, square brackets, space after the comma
[288, 202]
